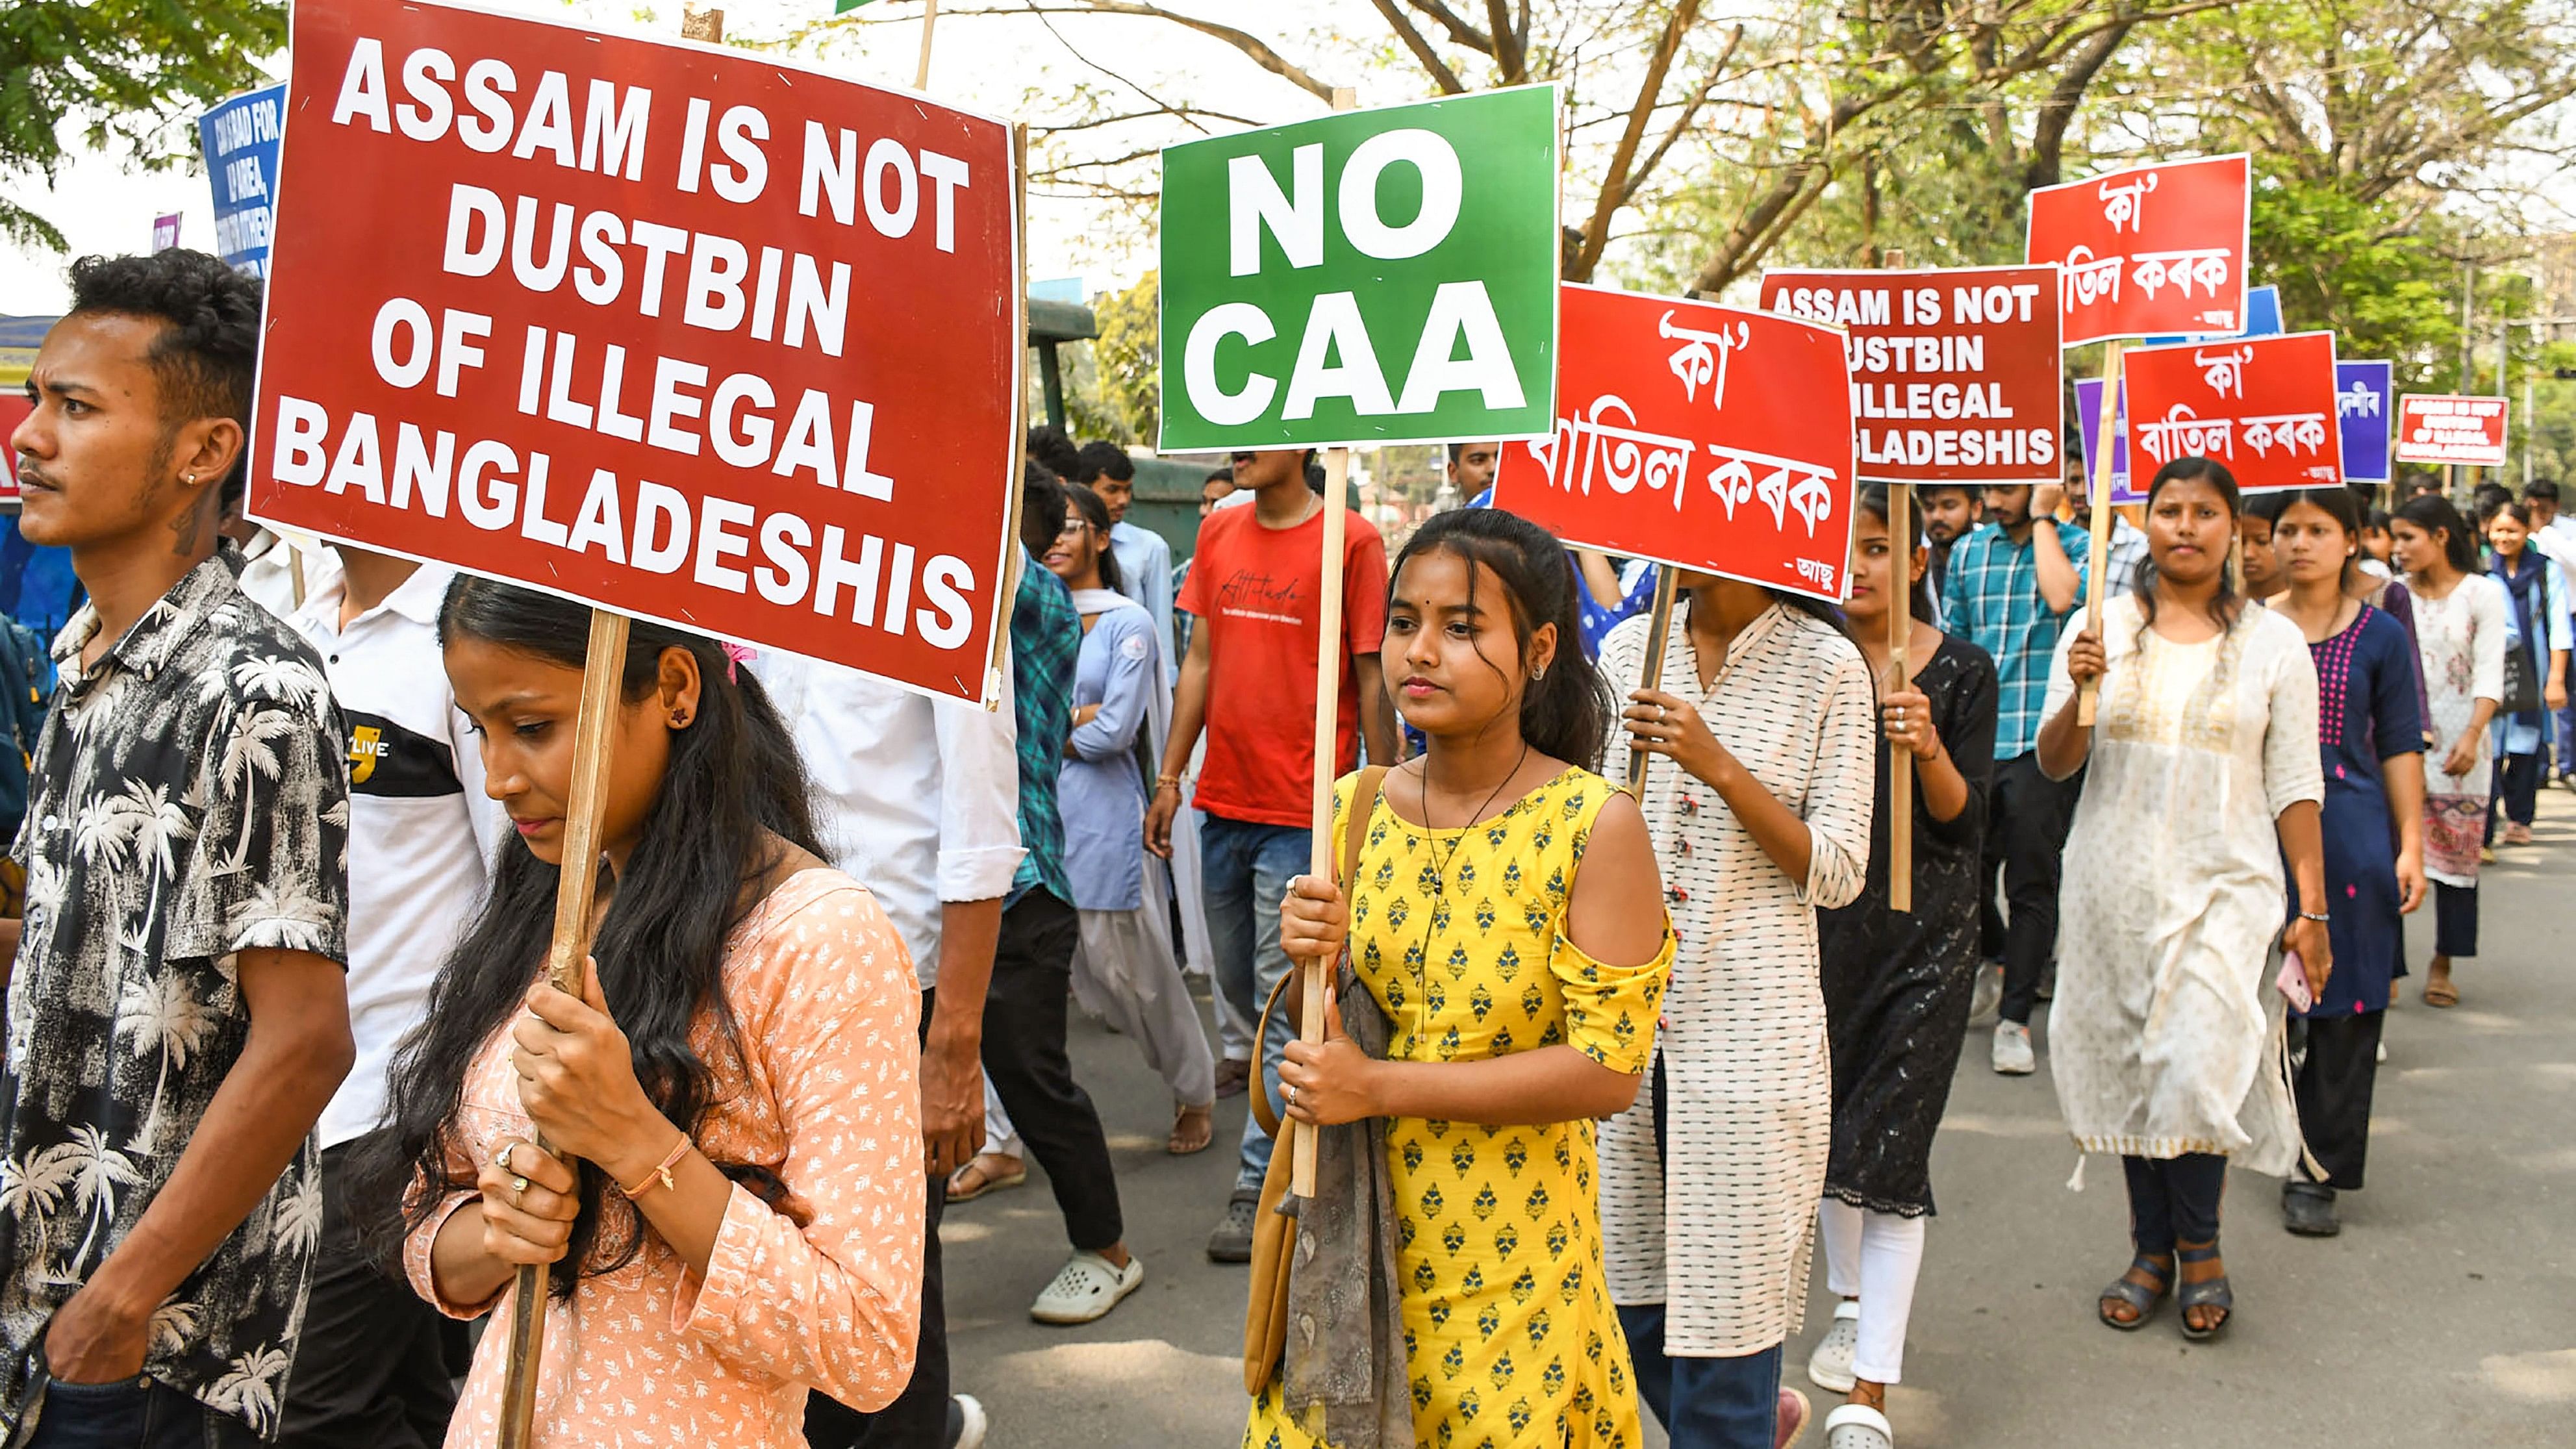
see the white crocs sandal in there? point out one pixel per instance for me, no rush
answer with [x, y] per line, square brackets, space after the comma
[1088, 1288]
[1858, 1426]
[1830, 1366]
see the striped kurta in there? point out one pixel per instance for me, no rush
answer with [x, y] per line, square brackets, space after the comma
[1721, 1234]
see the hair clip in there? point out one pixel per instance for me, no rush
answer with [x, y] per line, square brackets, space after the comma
[735, 654]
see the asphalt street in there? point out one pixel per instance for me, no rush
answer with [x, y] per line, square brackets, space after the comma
[2444, 1315]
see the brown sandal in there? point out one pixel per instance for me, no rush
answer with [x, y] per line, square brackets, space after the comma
[975, 1179]
[1193, 1128]
[2438, 990]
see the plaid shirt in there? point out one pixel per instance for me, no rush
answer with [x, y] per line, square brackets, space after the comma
[2127, 550]
[1991, 594]
[1046, 640]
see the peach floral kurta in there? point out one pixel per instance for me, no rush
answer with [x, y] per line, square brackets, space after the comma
[825, 1004]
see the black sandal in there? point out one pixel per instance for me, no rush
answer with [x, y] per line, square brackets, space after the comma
[2209, 1293]
[2137, 1295]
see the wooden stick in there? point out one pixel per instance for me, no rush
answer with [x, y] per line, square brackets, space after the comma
[1659, 625]
[1900, 762]
[1009, 581]
[1900, 632]
[1328, 759]
[594, 735]
[929, 20]
[2096, 588]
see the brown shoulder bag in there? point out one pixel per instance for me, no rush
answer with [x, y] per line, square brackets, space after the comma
[1274, 1233]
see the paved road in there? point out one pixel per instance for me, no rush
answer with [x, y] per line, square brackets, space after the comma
[2444, 1315]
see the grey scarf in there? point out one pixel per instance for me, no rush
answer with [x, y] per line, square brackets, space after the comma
[1346, 1380]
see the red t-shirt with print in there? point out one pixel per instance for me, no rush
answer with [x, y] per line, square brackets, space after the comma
[1253, 591]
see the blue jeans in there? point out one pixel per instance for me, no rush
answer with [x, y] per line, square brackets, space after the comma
[1244, 870]
[1704, 1403]
[133, 1413]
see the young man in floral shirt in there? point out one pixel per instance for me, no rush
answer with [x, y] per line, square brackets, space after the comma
[177, 1017]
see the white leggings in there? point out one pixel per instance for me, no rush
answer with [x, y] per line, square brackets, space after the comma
[1873, 1256]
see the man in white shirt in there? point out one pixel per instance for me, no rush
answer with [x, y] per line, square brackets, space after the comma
[379, 1364]
[1144, 558]
[920, 803]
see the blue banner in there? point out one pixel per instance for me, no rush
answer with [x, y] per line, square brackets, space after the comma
[2365, 396]
[239, 141]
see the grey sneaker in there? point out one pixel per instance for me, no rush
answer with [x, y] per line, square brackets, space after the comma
[1232, 1240]
[1986, 996]
[2013, 1056]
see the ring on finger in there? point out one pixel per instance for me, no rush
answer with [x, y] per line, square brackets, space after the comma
[1292, 1094]
[501, 1159]
[518, 1185]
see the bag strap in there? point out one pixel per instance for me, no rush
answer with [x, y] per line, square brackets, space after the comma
[1364, 793]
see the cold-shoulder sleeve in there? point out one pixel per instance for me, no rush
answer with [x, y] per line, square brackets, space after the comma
[835, 1304]
[1610, 1011]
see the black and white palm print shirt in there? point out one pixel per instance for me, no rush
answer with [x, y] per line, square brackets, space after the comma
[190, 800]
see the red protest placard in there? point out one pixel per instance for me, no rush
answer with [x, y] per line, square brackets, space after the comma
[2150, 250]
[2444, 428]
[1705, 437]
[1954, 372]
[677, 331]
[14, 409]
[2264, 406]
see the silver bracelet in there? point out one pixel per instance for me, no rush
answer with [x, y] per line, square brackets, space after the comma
[2313, 916]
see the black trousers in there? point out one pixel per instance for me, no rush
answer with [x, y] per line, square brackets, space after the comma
[2455, 920]
[2174, 1200]
[1025, 1060]
[2027, 815]
[2333, 1088]
[918, 1418]
[376, 1366]
[2516, 792]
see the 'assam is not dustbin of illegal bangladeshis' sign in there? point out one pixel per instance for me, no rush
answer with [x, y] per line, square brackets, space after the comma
[1369, 277]
[684, 333]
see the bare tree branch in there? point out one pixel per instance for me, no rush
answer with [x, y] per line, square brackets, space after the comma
[1681, 123]
[1459, 30]
[1441, 74]
[2057, 112]
[1509, 53]
[1614, 182]
[1253, 47]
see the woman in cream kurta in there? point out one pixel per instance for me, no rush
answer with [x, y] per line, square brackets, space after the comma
[2173, 890]
[1718, 1227]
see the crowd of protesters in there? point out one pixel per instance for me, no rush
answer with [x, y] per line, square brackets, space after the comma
[291, 1101]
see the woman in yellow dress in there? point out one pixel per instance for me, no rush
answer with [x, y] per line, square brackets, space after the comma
[1509, 920]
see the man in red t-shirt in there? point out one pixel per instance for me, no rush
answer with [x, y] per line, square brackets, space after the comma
[1249, 681]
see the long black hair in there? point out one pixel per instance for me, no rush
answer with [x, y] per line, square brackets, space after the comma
[2224, 605]
[1095, 511]
[1566, 711]
[2432, 512]
[734, 788]
[1918, 592]
[2338, 504]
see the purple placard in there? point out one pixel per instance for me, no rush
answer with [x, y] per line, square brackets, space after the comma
[2088, 414]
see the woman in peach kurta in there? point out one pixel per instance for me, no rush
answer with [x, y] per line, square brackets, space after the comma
[730, 1190]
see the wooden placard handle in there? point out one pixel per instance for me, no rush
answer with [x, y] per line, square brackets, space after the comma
[2096, 588]
[1659, 624]
[1319, 857]
[594, 737]
[1900, 762]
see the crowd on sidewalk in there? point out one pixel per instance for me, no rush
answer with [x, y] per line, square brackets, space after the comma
[1624, 1022]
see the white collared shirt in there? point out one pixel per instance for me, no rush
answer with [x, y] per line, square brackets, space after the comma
[421, 830]
[917, 799]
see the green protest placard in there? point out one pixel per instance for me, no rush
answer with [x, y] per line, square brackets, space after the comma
[1384, 276]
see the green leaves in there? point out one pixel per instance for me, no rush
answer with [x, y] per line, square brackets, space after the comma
[120, 74]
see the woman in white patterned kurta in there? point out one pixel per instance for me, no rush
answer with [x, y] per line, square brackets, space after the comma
[2463, 621]
[2202, 774]
[1709, 1229]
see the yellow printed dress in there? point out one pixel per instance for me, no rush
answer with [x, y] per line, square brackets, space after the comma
[1460, 935]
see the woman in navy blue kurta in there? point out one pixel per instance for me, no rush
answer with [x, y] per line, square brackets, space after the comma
[2370, 736]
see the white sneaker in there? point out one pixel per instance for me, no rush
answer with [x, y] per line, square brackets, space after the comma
[1088, 1287]
[2013, 1056]
[967, 1424]
[1830, 1366]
